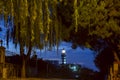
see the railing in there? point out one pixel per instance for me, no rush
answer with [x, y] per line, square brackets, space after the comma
[8, 70]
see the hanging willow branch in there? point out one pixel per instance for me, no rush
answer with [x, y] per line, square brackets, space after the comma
[55, 22]
[76, 15]
[40, 15]
[35, 21]
[12, 8]
[1, 6]
[47, 20]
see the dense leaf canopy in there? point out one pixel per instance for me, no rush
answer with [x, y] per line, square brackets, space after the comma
[90, 23]
[98, 22]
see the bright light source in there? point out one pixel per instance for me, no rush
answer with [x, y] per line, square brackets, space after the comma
[63, 51]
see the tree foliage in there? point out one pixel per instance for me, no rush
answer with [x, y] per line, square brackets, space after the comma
[98, 21]
[36, 19]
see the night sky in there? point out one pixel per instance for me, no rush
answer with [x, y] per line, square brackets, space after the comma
[84, 57]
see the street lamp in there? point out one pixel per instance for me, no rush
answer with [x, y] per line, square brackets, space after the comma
[63, 56]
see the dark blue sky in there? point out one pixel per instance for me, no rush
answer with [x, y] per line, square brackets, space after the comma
[84, 57]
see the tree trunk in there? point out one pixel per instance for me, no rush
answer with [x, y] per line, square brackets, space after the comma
[23, 71]
[24, 60]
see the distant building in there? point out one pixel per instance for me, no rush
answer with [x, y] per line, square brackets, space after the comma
[74, 67]
[2, 61]
[6, 69]
[55, 62]
[63, 57]
[2, 54]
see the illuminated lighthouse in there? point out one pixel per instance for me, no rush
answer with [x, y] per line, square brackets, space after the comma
[63, 56]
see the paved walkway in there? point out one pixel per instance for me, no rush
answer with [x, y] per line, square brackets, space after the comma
[36, 79]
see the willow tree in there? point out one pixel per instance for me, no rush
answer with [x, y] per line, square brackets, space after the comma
[35, 24]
